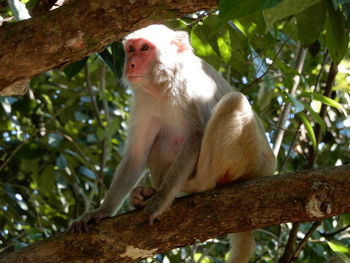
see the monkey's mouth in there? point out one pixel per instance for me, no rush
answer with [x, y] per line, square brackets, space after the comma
[135, 77]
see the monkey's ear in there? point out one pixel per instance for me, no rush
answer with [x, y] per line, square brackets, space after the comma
[181, 41]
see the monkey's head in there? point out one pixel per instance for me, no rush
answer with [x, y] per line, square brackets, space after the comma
[153, 54]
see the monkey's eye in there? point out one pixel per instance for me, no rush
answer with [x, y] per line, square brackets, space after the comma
[145, 48]
[131, 49]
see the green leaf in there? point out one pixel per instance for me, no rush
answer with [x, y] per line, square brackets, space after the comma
[285, 68]
[310, 23]
[309, 129]
[324, 100]
[177, 24]
[29, 151]
[252, 24]
[119, 57]
[265, 92]
[299, 107]
[61, 162]
[225, 47]
[114, 59]
[346, 10]
[47, 179]
[285, 9]
[230, 9]
[233, 46]
[54, 139]
[338, 247]
[204, 43]
[337, 38]
[73, 69]
[87, 172]
[316, 117]
[107, 58]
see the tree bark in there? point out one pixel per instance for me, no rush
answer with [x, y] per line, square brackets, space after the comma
[308, 195]
[75, 30]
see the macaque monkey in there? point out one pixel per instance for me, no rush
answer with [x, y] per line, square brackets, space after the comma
[187, 125]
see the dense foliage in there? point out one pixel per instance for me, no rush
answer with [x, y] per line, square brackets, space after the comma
[61, 142]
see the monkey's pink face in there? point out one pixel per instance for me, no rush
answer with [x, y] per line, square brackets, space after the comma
[141, 57]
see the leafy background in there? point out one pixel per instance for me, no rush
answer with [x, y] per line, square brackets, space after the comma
[61, 142]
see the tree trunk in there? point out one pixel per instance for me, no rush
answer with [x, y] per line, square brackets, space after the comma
[76, 30]
[296, 197]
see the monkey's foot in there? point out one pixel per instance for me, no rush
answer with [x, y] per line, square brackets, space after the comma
[156, 205]
[140, 195]
[81, 225]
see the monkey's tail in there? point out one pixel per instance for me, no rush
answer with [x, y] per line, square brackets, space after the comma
[242, 247]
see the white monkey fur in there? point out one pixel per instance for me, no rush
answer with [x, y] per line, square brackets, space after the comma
[185, 98]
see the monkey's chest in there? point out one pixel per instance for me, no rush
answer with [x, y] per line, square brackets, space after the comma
[165, 148]
[163, 153]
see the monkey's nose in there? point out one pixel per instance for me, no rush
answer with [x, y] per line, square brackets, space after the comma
[132, 66]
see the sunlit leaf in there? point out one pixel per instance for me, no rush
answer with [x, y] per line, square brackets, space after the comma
[324, 100]
[341, 250]
[205, 44]
[338, 247]
[309, 129]
[316, 117]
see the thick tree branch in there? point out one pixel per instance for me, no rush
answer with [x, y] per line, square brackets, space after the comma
[303, 196]
[75, 30]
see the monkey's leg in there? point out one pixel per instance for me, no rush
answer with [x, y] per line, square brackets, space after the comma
[228, 146]
[228, 152]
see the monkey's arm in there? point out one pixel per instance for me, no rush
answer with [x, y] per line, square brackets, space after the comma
[126, 176]
[179, 172]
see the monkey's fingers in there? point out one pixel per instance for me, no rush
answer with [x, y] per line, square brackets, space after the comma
[97, 219]
[148, 191]
[75, 227]
[84, 226]
[151, 219]
[136, 201]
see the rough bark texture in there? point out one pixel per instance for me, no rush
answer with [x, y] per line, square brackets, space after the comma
[75, 30]
[303, 196]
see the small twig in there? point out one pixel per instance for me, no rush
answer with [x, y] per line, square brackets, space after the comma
[105, 141]
[287, 106]
[290, 148]
[333, 71]
[81, 153]
[304, 241]
[331, 234]
[259, 79]
[91, 95]
[200, 18]
[288, 251]
[320, 73]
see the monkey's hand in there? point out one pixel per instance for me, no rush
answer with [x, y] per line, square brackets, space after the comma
[155, 206]
[140, 195]
[81, 224]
